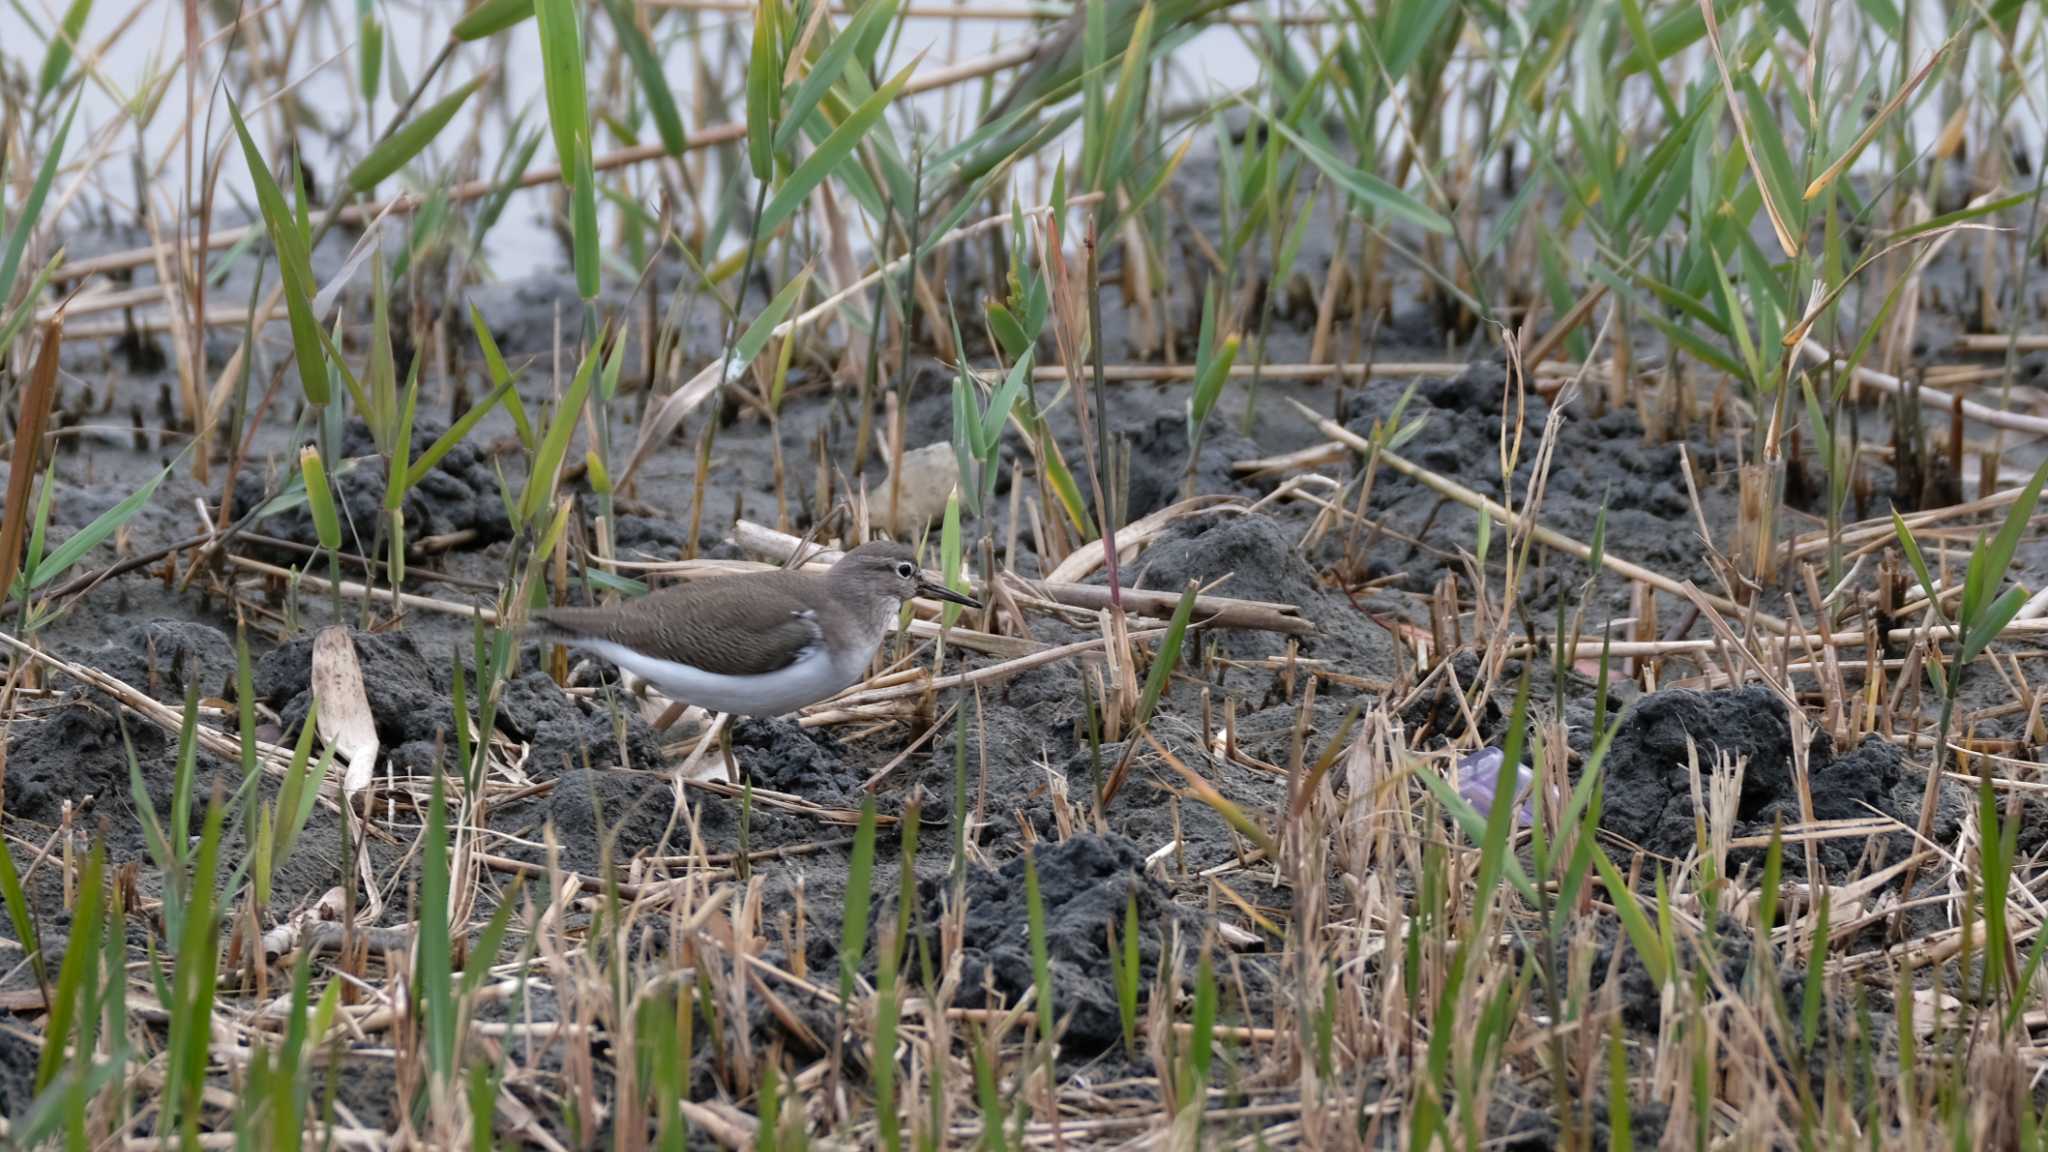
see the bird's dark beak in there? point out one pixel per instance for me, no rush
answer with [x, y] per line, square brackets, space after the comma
[932, 590]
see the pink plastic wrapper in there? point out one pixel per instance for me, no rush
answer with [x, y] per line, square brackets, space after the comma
[1479, 782]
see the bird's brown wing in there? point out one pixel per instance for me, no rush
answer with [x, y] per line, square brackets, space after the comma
[730, 625]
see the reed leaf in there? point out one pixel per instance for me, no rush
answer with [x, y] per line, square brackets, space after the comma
[31, 210]
[398, 149]
[828, 156]
[290, 241]
[661, 100]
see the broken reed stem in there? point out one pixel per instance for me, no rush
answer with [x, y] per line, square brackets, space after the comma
[1154, 373]
[1813, 351]
[36, 401]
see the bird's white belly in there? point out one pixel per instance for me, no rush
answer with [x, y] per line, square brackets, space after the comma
[811, 677]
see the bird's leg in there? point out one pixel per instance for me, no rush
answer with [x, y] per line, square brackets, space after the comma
[732, 766]
[670, 715]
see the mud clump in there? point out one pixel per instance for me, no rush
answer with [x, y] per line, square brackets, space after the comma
[19, 1057]
[412, 700]
[666, 539]
[161, 657]
[78, 751]
[459, 493]
[1262, 563]
[1610, 463]
[1159, 461]
[1649, 792]
[608, 815]
[780, 754]
[560, 735]
[1084, 885]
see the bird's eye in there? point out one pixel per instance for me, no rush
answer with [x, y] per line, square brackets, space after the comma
[906, 570]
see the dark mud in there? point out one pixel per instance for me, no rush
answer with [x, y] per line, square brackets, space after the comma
[562, 734]
[1084, 884]
[1649, 786]
[608, 801]
[459, 494]
[164, 657]
[1605, 461]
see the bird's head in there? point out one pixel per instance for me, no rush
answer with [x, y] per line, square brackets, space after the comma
[887, 570]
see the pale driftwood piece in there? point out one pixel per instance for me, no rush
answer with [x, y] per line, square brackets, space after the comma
[1082, 562]
[342, 716]
[1814, 352]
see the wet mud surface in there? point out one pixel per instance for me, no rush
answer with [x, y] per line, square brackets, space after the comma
[597, 773]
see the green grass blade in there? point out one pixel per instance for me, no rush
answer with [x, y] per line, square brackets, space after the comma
[661, 100]
[568, 104]
[756, 337]
[949, 556]
[57, 58]
[1041, 959]
[369, 51]
[21, 915]
[1364, 186]
[764, 92]
[1649, 945]
[436, 964]
[31, 210]
[456, 434]
[1911, 547]
[192, 989]
[1473, 826]
[398, 149]
[829, 155]
[490, 18]
[490, 942]
[547, 464]
[81, 958]
[75, 546]
[294, 265]
[1169, 655]
[827, 71]
[1998, 556]
[1993, 621]
[1128, 975]
[501, 375]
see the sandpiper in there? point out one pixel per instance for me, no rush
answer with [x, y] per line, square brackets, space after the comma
[761, 644]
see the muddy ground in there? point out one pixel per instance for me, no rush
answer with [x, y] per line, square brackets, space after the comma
[595, 766]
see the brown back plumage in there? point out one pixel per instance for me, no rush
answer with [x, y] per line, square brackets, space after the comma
[751, 624]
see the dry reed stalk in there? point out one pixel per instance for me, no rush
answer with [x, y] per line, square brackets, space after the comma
[32, 417]
[1158, 373]
[1994, 342]
[1814, 352]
